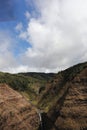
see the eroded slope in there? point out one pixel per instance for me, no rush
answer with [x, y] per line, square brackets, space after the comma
[73, 113]
[15, 112]
[69, 110]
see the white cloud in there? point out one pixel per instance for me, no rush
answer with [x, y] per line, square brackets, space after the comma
[20, 68]
[7, 59]
[27, 15]
[58, 36]
[23, 35]
[19, 27]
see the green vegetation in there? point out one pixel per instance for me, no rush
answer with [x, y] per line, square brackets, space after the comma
[41, 89]
[29, 84]
[56, 89]
[48, 91]
[71, 72]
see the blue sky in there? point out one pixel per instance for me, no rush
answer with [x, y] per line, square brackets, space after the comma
[42, 36]
[12, 13]
[6, 10]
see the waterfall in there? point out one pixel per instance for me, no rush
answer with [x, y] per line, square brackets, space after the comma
[40, 117]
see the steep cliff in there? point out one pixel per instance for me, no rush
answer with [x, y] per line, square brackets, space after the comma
[67, 101]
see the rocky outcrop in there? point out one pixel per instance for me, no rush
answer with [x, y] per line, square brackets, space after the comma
[15, 112]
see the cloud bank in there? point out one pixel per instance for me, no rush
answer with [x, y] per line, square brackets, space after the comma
[58, 35]
[57, 32]
[7, 59]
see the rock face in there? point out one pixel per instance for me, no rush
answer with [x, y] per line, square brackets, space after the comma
[73, 113]
[15, 112]
[69, 112]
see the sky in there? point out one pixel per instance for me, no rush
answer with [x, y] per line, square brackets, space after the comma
[42, 36]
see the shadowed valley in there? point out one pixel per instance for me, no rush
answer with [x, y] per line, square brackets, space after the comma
[61, 97]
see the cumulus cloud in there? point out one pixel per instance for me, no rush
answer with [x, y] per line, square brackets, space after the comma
[58, 35]
[27, 15]
[19, 27]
